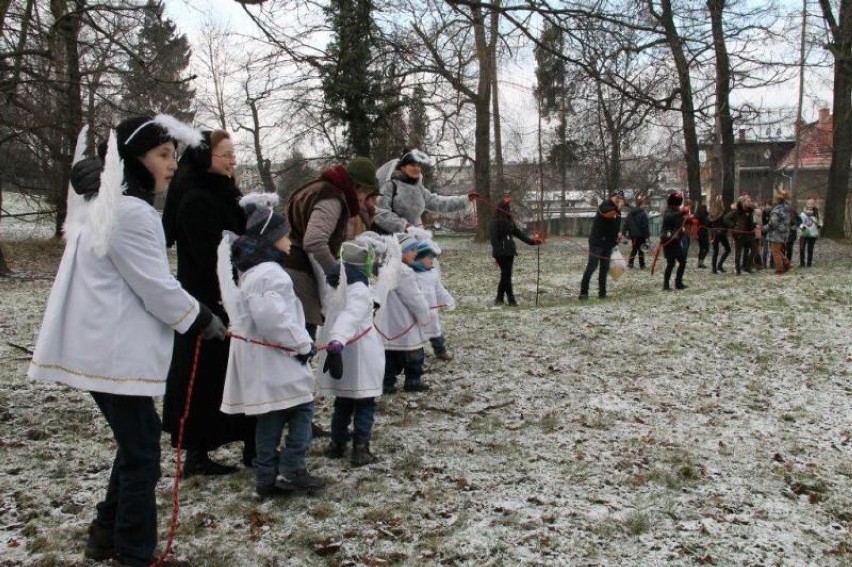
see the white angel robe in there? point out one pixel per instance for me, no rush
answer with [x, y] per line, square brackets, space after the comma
[363, 353]
[400, 321]
[261, 379]
[109, 322]
[437, 297]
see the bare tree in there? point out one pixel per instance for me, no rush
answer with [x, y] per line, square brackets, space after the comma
[839, 24]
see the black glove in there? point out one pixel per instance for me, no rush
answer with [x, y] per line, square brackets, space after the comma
[306, 358]
[215, 329]
[334, 360]
[86, 175]
[332, 277]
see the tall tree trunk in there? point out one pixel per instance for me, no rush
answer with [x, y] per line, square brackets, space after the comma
[687, 106]
[68, 70]
[834, 214]
[724, 121]
[482, 143]
[4, 7]
[263, 165]
[495, 103]
[4, 267]
[799, 121]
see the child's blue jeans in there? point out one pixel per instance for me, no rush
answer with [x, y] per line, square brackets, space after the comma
[269, 461]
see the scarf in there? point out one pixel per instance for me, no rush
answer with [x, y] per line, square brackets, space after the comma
[246, 253]
[339, 177]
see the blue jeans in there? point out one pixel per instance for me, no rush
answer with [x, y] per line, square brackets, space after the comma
[269, 462]
[409, 362]
[130, 505]
[597, 255]
[439, 344]
[363, 410]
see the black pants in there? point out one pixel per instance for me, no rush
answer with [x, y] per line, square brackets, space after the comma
[130, 506]
[790, 243]
[806, 249]
[409, 362]
[635, 250]
[743, 251]
[720, 239]
[504, 288]
[703, 244]
[675, 254]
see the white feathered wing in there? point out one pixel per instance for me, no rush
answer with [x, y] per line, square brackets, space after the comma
[76, 207]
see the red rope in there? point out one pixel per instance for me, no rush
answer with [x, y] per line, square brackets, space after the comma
[178, 460]
[288, 349]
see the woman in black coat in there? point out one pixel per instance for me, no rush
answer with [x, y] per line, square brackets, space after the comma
[501, 230]
[202, 202]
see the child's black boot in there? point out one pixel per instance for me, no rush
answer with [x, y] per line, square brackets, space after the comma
[335, 450]
[361, 455]
[301, 481]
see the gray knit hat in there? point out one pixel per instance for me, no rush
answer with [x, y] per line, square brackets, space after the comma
[266, 224]
[355, 253]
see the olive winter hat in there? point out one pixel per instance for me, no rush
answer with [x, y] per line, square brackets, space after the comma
[362, 171]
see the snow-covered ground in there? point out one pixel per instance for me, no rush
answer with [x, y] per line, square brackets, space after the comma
[708, 426]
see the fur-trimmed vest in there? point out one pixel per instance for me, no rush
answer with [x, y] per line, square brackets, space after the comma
[298, 210]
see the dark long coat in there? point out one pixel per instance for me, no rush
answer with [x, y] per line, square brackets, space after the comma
[203, 205]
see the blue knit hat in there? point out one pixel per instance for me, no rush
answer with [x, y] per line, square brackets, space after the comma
[407, 242]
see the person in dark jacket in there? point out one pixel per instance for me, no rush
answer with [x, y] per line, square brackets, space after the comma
[637, 229]
[202, 202]
[671, 231]
[742, 219]
[702, 217]
[793, 236]
[501, 231]
[602, 240]
[720, 235]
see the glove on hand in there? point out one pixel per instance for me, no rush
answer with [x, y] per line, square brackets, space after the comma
[334, 360]
[86, 175]
[215, 329]
[332, 277]
[306, 358]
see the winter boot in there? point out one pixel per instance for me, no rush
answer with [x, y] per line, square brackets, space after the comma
[100, 546]
[300, 481]
[666, 286]
[444, 355]
[680, 285]
[335, 450]
[361, 455]
[269, 492]
[416, 386]
[199, 463]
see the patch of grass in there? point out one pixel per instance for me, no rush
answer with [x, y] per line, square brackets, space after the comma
[409, 464]
[637, 522]
[549, 422]
[598, 419]
[484, 424]
[322, 511]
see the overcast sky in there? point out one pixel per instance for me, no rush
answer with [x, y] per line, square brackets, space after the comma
[518, 77]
